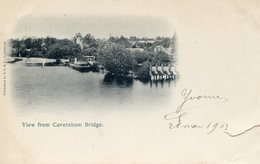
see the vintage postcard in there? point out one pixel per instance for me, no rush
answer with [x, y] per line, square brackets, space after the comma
[130, 82]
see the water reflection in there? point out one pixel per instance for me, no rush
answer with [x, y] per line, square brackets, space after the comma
[110, 80]
[117, 81]
[56, 89]
[162, 83]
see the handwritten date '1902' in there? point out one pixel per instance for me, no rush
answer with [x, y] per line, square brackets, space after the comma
[176, 117]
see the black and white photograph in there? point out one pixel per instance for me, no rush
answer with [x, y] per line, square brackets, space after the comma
[90, 63]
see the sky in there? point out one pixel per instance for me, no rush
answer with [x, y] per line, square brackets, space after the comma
[66, 26]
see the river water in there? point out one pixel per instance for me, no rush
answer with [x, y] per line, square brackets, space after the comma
[61, 89]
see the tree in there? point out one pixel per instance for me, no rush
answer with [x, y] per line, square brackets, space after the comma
[88, 39]
[143, 70]
[133, 38]
[64, 48]
[28, 43]
[112, 39]
[161, 58]
[49, 41]
[16, 47]
[115, 59]
[121, 41]
[139, 56]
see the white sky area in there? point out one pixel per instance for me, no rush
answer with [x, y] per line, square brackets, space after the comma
[66, 26]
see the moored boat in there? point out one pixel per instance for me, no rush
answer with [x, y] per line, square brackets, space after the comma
[81, 66]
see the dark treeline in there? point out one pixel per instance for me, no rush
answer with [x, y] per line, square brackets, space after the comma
[118, 55]
[44, 47]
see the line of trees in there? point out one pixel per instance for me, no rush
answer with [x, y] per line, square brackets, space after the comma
[119, 55]
[44, 47]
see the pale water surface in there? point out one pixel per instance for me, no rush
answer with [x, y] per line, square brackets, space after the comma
[57, 89]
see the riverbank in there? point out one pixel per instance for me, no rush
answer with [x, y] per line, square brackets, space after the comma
[155, 73]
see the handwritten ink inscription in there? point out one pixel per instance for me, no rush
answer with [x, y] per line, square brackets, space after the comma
[176, 117]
